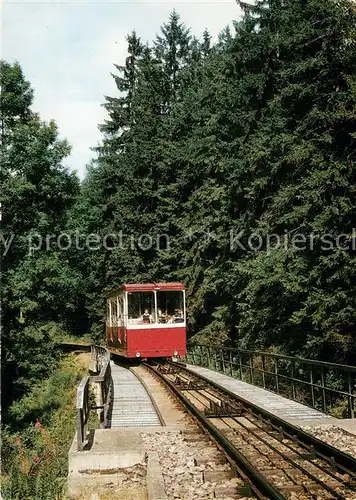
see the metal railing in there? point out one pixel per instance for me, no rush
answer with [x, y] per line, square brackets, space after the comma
[99, 363]
[101, 358]
[98, 357]
[328, 387]
[82, 412]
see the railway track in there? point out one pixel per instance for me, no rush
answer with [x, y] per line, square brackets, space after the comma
[279, 460]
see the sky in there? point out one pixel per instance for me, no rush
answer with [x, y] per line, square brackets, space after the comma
[67, 50]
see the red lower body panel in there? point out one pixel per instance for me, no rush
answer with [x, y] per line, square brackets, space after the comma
[148, 342]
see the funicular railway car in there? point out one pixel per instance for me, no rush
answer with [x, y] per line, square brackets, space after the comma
[147, 321]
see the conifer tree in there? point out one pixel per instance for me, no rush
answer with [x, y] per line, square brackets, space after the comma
[300, 159]
[37, 285]
[254, 135]
[119, 109]
[172, 48]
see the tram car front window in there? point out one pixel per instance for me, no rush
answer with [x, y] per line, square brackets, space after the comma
[155, 307]
[141, 308]
[170, 307]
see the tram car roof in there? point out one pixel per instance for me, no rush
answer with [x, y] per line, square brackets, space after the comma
[146, 287]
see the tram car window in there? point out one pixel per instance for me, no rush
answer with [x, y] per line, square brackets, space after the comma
[141, 308]
[170, 306]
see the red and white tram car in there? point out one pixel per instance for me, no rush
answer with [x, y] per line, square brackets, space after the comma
[147, 321]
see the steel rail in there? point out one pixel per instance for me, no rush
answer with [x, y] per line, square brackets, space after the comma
[256, 479]
[204, 396]
[259, 425]
[344, 462]
[292, 462]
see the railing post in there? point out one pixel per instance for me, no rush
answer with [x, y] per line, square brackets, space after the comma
[222, 360]
[263, 372]
[250, 362]
[230, 359]
[293, 381]
[80, 433]
[276, 373]
[241, 371]
[323, 389]
[82, 411]
[107, 399]
[312, 386]
[102, 392]
[350, 396]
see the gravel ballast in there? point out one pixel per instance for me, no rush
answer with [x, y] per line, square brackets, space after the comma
[182, 478]
[335, 436]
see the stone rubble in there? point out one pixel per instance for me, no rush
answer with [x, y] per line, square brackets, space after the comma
[335, 436]
[116, 483]
[184, 480]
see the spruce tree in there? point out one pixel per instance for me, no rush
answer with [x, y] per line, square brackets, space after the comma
[302, 183]
[172, 48]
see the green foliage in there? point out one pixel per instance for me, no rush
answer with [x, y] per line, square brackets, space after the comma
[35, 447]
[253, 135]
[33, 354]
[45, 397]
[37, 284]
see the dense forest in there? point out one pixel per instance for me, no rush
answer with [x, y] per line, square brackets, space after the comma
[227, 166]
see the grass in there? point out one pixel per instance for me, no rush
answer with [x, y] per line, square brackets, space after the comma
[35, 457]
[72, 339]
